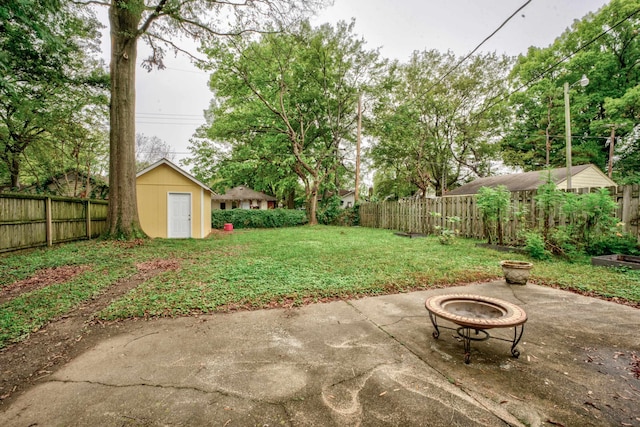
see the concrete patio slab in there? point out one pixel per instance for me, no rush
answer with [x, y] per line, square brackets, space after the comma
[371, 361]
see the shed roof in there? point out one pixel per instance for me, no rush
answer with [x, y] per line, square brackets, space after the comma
[518, 181]
[165, 161]
[243, 193]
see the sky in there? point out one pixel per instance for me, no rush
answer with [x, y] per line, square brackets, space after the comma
[170, 103]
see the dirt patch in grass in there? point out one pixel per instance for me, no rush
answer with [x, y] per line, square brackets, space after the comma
[158, 264]
[23, 364]
[43, 278]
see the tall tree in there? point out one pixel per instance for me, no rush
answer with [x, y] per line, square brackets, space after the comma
[605, 46]
[161, 23]
[435, 119]
[290, 100]
[50, 84]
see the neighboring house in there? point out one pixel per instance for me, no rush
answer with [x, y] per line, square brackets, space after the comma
[347, 198]
[172, 203]
[242, 197]
[418, 195]
[583, 176]
[72, 184]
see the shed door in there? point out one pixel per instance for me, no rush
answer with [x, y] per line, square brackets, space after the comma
[179, 215]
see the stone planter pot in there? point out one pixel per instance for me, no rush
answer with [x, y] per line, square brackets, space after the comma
[516, 272]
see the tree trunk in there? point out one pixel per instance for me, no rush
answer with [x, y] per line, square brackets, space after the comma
[291, 199]
[122, 218]
[14, 171]
[312, 203]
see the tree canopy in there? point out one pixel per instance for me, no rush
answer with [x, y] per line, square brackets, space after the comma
[604, 46]
[435, 119]
[286, 103]
[161, 24]
[52, 90]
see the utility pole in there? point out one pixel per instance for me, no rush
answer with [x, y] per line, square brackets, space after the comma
[567, 126]
[359, 136]
[611, 143]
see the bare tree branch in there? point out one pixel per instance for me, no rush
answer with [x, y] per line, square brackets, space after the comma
[88, 2]
[152, 17]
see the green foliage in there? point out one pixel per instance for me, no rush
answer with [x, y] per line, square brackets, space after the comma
[257, 218]
[535, 246]
[614, 242]
[548, 199]
[536, 135]
[53, 91]
[448, 234]
[427, 127]
[494, 204]
[590, 215]
[285, 108]
[592, 227]
[348, 217]
[260, 268]
[329, 211]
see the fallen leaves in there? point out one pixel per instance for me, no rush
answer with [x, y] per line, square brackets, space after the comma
[42, 278]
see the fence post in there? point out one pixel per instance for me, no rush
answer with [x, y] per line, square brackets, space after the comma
[48, 219]
[88, 219]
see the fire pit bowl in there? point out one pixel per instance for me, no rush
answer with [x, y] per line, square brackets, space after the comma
[477, 313]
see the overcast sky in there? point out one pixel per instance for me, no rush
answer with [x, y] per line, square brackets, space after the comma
[170, 103]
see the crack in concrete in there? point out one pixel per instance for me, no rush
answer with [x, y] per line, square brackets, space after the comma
[513, 292]
[139, 338]
[508, 420]
[399, 320]
[222, 392]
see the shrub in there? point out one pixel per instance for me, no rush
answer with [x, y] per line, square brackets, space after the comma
[494, 205]
[535, 246]
[593, 226]
[446, 234]
[349, 217]
[245, 218]
[548, 198]
[329, 212]
[614, 242]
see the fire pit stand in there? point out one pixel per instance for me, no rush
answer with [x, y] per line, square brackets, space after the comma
[478, 314]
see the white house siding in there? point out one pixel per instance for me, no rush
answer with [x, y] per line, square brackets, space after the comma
[588, 178]
[348, 201]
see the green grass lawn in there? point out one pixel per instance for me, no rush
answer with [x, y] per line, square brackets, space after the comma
[263, 268]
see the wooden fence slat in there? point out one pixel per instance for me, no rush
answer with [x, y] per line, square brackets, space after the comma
[28, 221]
[417, 215]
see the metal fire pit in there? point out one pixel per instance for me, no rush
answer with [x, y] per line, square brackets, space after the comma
[476, 313]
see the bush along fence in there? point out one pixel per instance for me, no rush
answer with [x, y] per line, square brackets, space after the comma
[246, 218]
[29, 221]
[544, 211]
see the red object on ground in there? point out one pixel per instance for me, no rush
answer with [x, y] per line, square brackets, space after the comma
[228, 227]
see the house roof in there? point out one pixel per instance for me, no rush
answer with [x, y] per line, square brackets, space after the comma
[243, 193]
[174, 167]
[518, 181]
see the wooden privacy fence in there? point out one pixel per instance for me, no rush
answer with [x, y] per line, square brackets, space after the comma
[28, 221]
[422, 216]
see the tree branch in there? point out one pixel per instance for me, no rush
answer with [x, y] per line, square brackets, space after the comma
[152, 17]
[174, 46]
[88, 2]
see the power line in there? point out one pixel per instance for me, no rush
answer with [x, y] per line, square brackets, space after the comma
[170, 114]
[169, 123]
[479, 45]
[549, 69]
